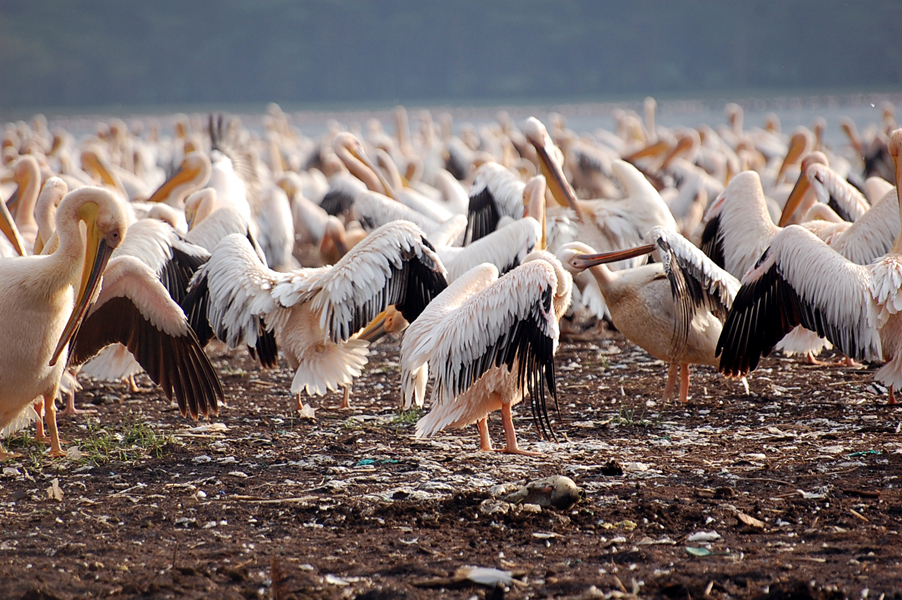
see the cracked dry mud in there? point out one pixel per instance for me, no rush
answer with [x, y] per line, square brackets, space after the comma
[790, 492]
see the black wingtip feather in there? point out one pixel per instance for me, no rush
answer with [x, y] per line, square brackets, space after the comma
[482, 215]
[526, 346]
[196, 304]
[176, 363]
[712, 244]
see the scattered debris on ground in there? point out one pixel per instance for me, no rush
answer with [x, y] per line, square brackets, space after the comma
[790, 492]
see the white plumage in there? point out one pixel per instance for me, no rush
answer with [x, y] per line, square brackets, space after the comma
[505, 248]
[275, 223]
[603, 224]
[803, 281]
[316, 313]
[496, 192]
[673, 308]
[44, 299]
[374, 210]
[835, 191]
[488, 339]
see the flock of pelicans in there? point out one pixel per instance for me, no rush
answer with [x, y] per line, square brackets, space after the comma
[130, 250]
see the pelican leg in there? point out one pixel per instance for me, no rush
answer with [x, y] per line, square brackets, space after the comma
[510, 435]
[298, 406]
[892, 396]
[50, 414]
[811, 360]
[684, 383]
[133, 385]
[671, 382]
[39, 433]
[851, 362]
[4, 455]
[70, 407]
[485, 442]
[346, 400]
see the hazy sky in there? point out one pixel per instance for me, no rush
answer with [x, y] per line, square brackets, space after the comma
[125, 52]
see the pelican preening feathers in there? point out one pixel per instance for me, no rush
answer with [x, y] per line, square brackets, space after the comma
[473, 247]
[673, 308]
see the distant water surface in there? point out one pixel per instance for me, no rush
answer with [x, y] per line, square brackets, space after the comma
[864, 109]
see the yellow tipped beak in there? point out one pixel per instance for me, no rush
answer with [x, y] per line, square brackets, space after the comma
[795, 199]
[9, 229]
[183, 175]
[97, 253]
[584, 261]
[376, 329]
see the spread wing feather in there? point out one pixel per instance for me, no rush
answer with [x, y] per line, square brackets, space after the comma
[510, 322]
[161, 248]
[799, 281]
[135, 310]
[695, 280]
[231, 295]
[393, 265]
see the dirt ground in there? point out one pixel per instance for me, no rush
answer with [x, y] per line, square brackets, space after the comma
[792, 491]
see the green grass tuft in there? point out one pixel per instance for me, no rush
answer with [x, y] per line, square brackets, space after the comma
[408, 417]
[635, 416]
[130, 440]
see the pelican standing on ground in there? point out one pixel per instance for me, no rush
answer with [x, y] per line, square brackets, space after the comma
[673, 308]
[801, 280]
[488, 339]
[45, 298]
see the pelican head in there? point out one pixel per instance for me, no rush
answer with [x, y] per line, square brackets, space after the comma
[388, 321]
[193, 173]
[570, 256]
[105, 222]
[199, 205]
[550, 163]
[577, 256]
[802, 184]
[349, 149]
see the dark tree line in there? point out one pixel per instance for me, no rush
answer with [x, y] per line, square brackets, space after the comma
[103, 52]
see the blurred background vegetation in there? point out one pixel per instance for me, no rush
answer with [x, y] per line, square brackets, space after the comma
[83, 53]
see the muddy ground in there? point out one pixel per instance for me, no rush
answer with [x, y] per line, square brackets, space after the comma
[792, 491]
